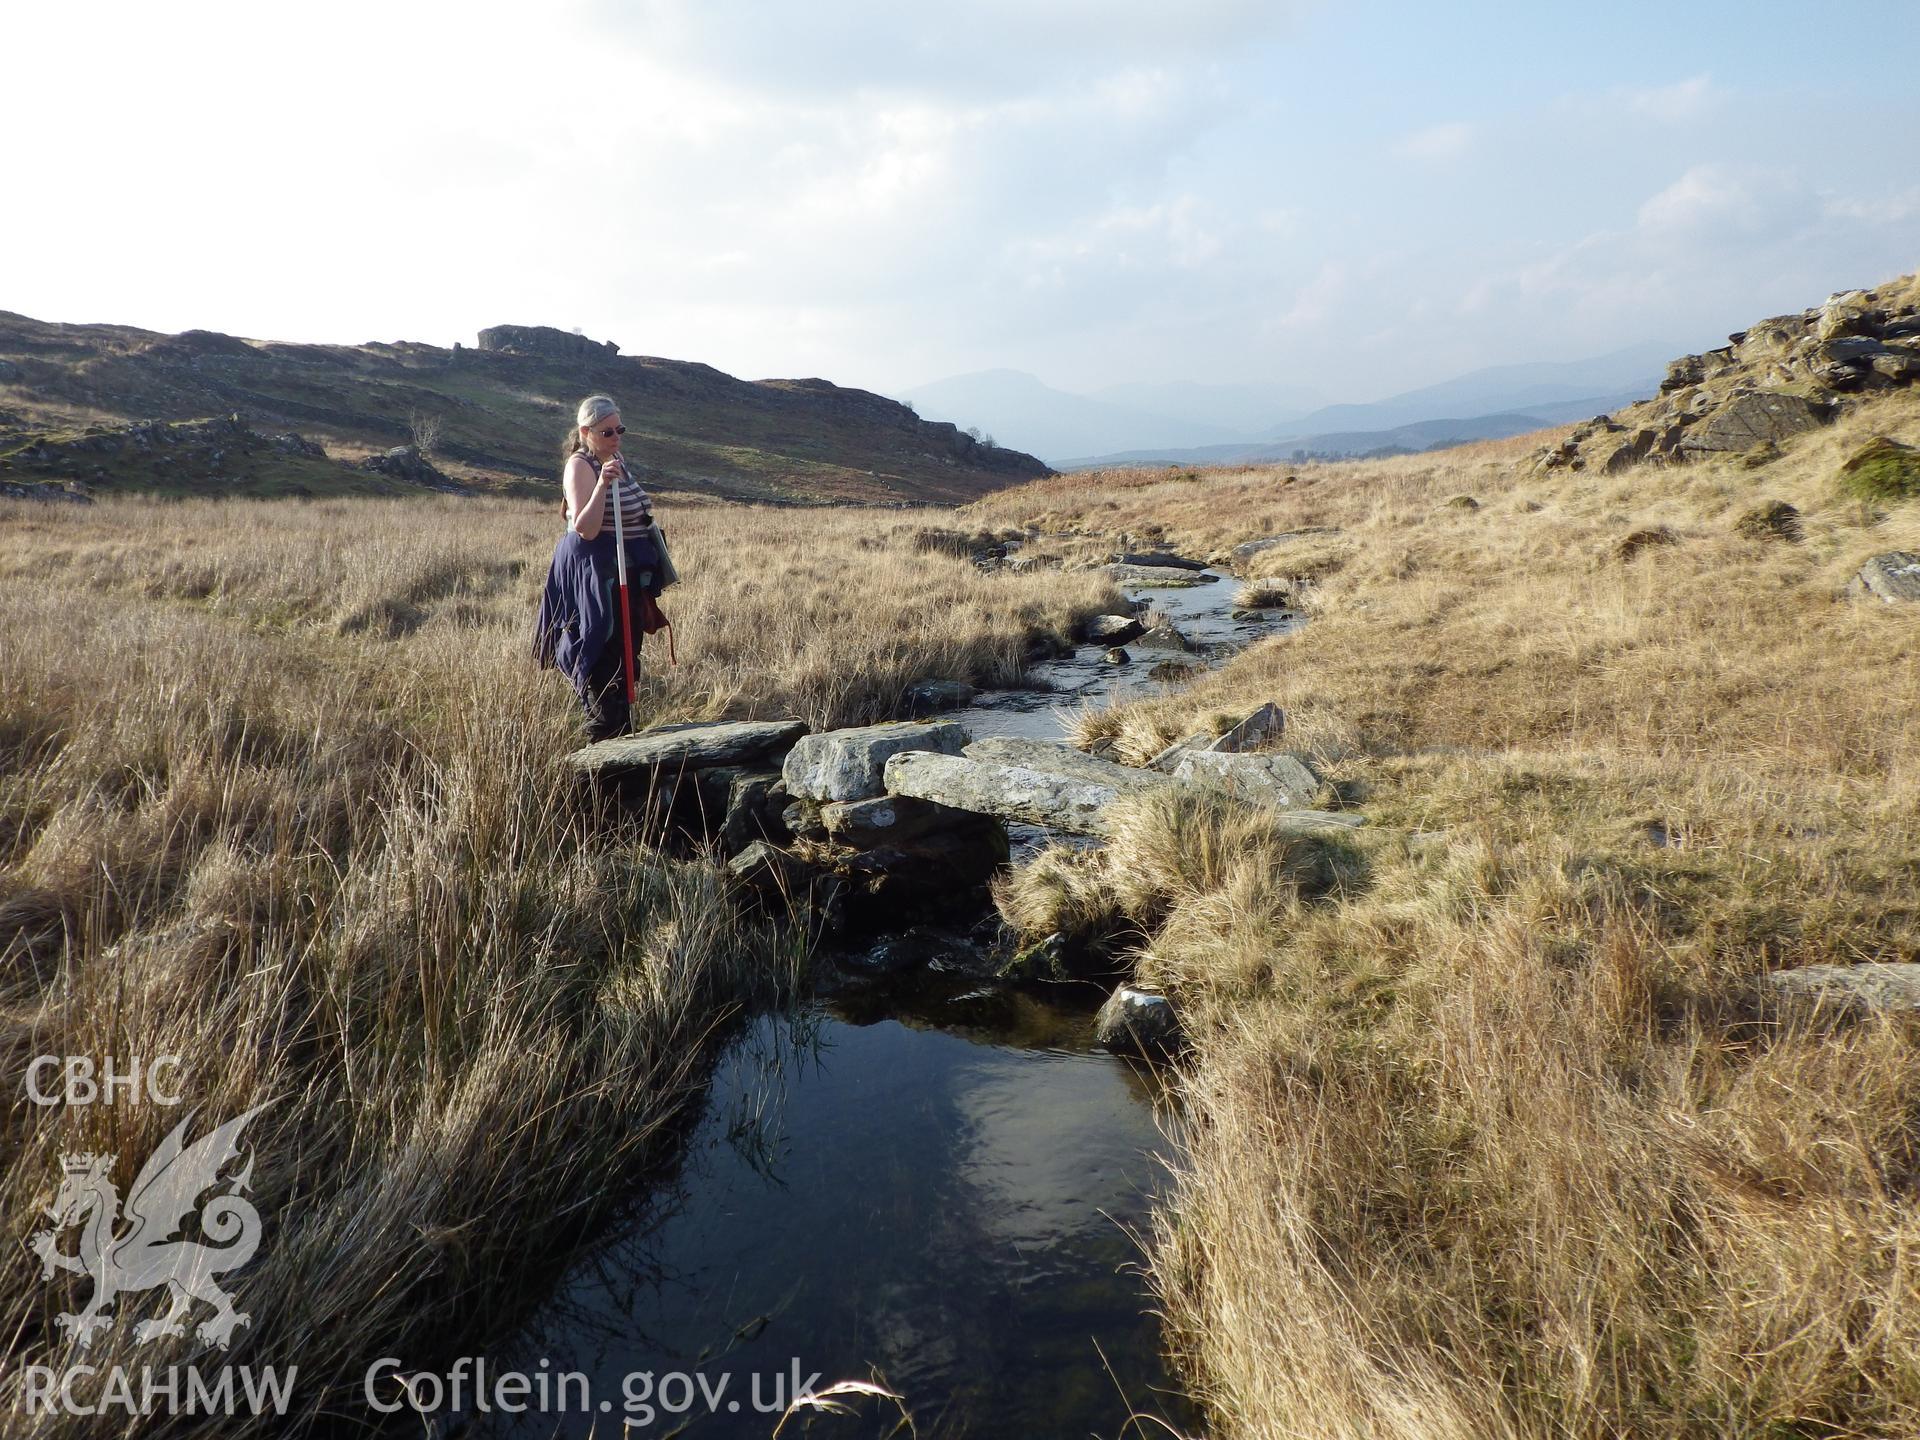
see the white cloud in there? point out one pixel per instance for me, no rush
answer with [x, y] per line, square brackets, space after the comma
[1876, 209]
[1682, 100]
[1725, 202]
[1446, 141]
[980, 48]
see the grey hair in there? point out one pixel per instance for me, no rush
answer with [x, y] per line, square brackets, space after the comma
[592, 411]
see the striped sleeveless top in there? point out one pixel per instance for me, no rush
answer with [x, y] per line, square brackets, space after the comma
[636, 510]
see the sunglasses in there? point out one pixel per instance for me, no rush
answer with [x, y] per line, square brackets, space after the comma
[615, 430]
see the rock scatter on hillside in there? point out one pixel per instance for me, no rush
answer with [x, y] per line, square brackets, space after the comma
[1770, 382]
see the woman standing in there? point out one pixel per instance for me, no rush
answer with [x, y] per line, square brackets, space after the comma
[578, 628]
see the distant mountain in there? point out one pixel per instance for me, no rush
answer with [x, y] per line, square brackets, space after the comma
[1242, 409]
[1018, 409]
[1634, 372]
[1183, 420]
[1415, 436]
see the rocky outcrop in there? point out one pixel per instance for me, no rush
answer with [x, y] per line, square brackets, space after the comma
[1779, 379]
[545, 341]
[404, 462]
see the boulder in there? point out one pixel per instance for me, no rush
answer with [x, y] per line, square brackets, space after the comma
[1850, 312]
[1283, 781]
[1158, 557]
[1045, 959]
[784, 882]
[1071, 802]
[1027, 564]
[1138, 1022]
[803, 818]
[1168, 759]
[404, 462]
[1056, 757]
[1893, 577]
[934, 875]
[920, 947]
[1117, 656]
[888, 819]
[928, 696]
[1245, 551]
[697, 744]
[1747, 420]
[1262, 725]
[1113, 629]
[1852, 991]
[1900, 366]
[1687, 370]
[1165, 636]
[847, 764]
[1140, 577]
[1619, 452]
[747, 816]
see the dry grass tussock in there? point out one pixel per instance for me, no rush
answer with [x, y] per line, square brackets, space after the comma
[1485, 1140]
[281, 792]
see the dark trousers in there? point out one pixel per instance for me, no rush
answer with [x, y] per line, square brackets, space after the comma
[606, 697]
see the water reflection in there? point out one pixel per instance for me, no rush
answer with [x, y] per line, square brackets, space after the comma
[897, 1202]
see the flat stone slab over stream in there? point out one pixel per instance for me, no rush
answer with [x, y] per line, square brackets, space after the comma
[694, 745]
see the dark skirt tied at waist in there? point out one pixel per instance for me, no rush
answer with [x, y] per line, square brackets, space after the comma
[580, 606]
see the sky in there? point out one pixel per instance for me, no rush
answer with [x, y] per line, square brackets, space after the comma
[1355, 198]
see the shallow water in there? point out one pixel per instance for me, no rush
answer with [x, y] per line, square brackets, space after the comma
[1056, 688]
[933, 1185]
[933, 1202]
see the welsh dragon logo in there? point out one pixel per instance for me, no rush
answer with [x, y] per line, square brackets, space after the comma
[164, 1194]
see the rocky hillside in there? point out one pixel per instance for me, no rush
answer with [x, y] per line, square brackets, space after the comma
[99, 407]
[1775, 380]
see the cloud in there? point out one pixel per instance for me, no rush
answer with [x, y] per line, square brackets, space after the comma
[986, 47]
[1437, 142]
[1682, 100]
[1723, 203]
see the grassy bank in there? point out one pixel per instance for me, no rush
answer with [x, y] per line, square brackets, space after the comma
[281, 793]
[1483, 1144]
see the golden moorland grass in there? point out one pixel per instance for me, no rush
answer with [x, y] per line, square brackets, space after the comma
[281, 792]
[1484, 1140]
[1480, 1142]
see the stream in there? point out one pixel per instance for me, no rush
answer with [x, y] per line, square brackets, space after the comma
[934, 1187]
